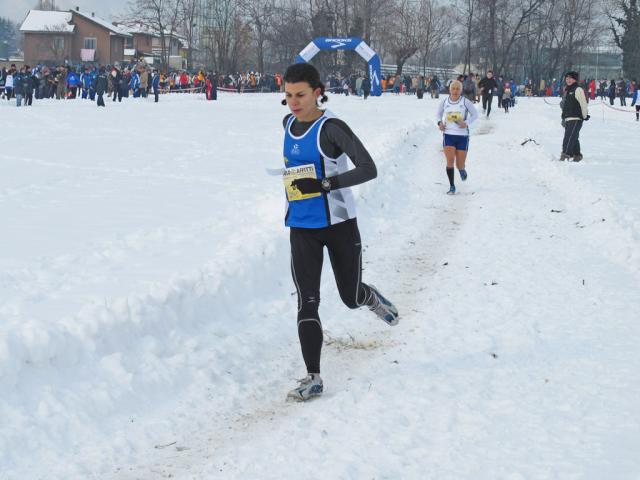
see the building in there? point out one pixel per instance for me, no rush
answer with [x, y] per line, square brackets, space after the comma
[146, 43]
[52, 37]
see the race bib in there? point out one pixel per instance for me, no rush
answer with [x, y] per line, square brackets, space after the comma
[290, 174]
[454, 117]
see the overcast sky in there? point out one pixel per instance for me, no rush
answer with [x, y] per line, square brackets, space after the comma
[17, 10]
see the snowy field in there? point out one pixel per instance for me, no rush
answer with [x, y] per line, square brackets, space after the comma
[147, 322]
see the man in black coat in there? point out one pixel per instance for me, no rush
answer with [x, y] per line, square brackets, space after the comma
[366, 86]
[29, 82]
[101, 85]
[488, 87]
[18, 86]
[116, 78]
[575, 111]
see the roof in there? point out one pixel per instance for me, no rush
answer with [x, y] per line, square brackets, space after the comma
[114, 29]
[47, 21]
[141, 29]
[137, 28]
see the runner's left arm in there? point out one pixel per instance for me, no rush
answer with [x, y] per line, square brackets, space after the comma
[337, 138]
[473, 113]
[582, 100]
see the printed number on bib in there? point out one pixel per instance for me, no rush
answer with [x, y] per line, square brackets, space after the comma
[293, 173]
[454, 117]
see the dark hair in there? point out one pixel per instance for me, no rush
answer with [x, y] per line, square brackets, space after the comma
[305, 72]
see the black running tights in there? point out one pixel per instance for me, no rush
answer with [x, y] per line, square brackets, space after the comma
[307, 251]
[486, 102]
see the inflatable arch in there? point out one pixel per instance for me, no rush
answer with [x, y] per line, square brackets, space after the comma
[352, 43]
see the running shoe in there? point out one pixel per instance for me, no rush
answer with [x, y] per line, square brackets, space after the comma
[309, 387]
[452, 190]
[463, 175]
[383, 308]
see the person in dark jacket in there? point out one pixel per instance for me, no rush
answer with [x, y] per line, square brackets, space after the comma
[116, 78]
[434, 87]
[125, 83]
[488, 87]
[61, 83]
[500, 90]
[18, 86]
[366, 86]
[101, 86]
[85, 83]
[469, 87]
[214, 83]
[29, 83]
[622, 92]
[575, 110]
[612, 91]
[155, 84]
[3, 79]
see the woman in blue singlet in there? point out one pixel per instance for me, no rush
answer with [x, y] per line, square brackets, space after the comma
[318, 150]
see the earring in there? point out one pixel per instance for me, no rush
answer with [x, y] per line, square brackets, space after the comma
[283, 102]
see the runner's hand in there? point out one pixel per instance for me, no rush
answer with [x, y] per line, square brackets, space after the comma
[441, 126]
[307, 185]
[461, 124]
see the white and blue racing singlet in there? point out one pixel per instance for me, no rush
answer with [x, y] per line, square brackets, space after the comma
[450, 113]
[303, 152]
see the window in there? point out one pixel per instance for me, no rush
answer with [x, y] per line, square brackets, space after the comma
[128, 43]
[90, 43]
[58, 43]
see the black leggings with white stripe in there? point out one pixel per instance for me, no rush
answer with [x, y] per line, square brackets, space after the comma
[571, 141]
[307, 252]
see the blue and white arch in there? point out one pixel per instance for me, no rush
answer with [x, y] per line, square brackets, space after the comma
[353, 43]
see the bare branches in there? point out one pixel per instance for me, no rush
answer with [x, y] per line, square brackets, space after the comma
[160, 17]
[55, 45]
[624, 18]
[435, 23]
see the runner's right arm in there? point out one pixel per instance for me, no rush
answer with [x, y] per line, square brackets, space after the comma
[440, 113]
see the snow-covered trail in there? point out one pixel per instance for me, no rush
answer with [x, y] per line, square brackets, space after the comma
[158, 312]
[515, 357]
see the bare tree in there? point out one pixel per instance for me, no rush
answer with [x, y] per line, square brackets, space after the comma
[403, 39]
[187, 23]
[225, 32]
[55, 42]
[259, 14]
[159, 16]
[467, 12]
[290, 31]
[46, 5]
[434, 23]
[625, 26]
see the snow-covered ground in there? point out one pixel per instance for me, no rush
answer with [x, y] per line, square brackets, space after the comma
[147, 322]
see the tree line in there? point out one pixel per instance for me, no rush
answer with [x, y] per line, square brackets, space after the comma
[533, 38]
[522, 38]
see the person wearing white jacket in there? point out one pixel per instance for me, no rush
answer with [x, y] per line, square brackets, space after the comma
[8, 85]
[454, 116]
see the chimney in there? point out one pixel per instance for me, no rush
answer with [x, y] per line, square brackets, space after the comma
[77, 9]
[93, 14]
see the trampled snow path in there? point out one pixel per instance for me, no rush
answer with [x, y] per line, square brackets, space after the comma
[515, 356]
